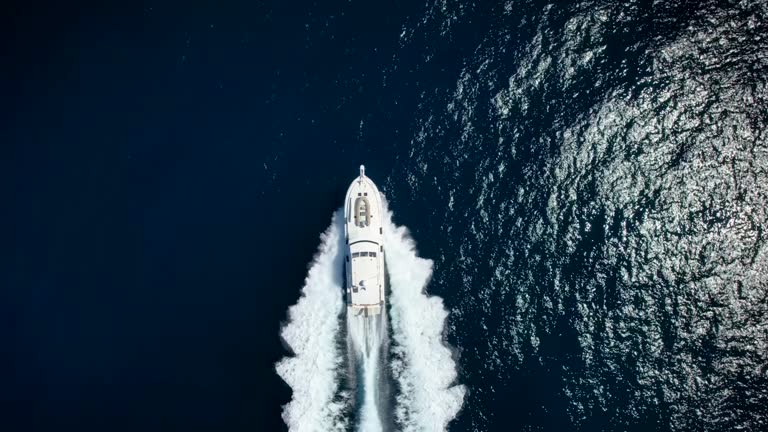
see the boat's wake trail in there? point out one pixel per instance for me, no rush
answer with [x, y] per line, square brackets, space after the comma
[422, 364]
[311, 334]
[366, 353]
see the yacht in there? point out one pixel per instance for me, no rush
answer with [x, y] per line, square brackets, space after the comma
[364, 261]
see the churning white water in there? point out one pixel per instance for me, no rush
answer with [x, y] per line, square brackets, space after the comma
[312, 334]
[421, 363]
[366, 335]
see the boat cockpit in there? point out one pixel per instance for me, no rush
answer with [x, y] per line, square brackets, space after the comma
[363, 254]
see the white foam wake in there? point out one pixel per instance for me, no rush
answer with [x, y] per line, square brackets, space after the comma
[311, 334]
[366, 336]
[422, 365]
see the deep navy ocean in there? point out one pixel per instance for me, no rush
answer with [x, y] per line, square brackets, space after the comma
[589, 180]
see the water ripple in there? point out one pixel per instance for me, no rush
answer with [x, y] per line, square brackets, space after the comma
[602, 168]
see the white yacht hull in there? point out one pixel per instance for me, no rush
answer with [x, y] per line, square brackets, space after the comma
[364, 261]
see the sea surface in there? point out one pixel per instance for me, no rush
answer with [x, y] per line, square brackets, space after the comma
[589, 180]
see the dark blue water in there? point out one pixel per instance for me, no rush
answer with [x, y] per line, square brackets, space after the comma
[589, 179]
